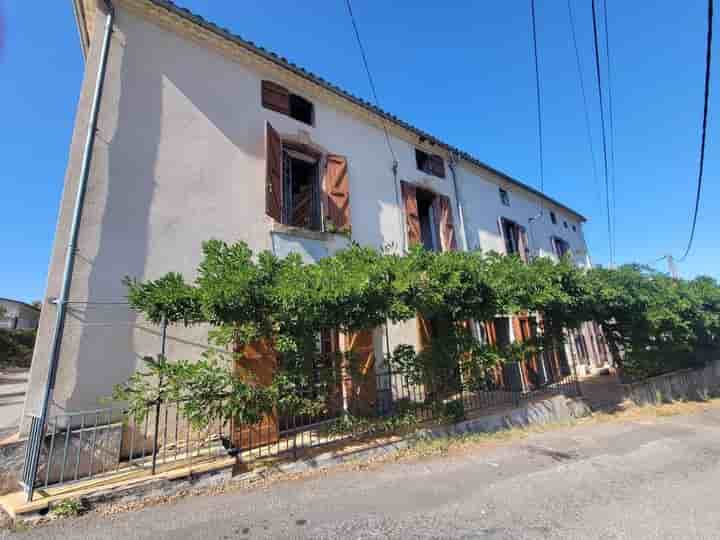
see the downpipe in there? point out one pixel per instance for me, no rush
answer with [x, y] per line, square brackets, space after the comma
[452, 163]
[62, 300]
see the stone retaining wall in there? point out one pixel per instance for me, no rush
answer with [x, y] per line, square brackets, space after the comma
[687, 384]
[12, 457]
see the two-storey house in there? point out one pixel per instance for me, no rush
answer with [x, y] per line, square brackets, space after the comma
[201, 134]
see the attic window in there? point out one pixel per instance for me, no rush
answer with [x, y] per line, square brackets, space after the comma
[301, 109]
[277, 98]
[504, 196]
[430, 163]
[553, 218]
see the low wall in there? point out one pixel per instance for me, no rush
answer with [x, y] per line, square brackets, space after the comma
[12, 458]
[687, 384]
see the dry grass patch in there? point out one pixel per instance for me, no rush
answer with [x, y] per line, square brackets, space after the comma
[629, 411]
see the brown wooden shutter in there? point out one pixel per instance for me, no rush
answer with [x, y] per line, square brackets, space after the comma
[522, 242]
[490, 332]
[443, 210]
[273, 178]
[364, 390]
[424, 332]
[501, 231]
[275, 97]
[336, 187]
[256, 363]
[412, 216]
[437, 165]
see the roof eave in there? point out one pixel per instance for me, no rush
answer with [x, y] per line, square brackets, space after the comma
[82, 27]
[297, 70]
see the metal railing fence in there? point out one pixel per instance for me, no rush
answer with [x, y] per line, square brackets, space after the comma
[92, 444]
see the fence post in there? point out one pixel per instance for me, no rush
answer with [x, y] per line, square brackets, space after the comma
[158, 402]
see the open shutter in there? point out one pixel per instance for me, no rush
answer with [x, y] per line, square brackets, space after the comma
[275, 97]
[445, 223]
[412, 216]
[424, 332]
[490, 332]
[336, 186]
[273, 178]
[501, 230]
[522, 242]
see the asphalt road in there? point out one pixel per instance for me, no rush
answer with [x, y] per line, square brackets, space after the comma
[651, 478]
[13, 384]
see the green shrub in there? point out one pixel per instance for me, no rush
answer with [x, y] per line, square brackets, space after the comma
[16, 347]
[67, 508]
[454, 410]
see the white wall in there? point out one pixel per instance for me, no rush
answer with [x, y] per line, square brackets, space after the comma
[479, 192]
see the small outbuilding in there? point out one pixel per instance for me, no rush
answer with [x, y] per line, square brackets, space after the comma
[17, 315]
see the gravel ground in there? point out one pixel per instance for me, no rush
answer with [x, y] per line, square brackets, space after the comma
[644, 477]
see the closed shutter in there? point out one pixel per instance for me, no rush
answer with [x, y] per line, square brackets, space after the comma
[273, 175]
[445, 222]
[412, 216]
[275, 97]
[336, 186]
[364, 388]
[257, 364]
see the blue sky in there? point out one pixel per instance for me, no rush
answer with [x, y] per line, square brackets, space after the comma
[461, 70]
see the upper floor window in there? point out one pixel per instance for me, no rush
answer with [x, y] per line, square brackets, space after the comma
[428, 218]
[515, 237]
[277, 98]
[504, 196]
[560, 246]
[565, 224]
[305, 188]
[301, 189]
[574, 228]
[430, 163]
[553, 218]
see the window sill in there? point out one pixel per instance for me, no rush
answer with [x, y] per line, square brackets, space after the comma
[304, 233]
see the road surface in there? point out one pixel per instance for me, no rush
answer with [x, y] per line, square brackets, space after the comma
[648, 478]
[13, 384]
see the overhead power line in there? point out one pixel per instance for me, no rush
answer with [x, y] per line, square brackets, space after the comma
[602, 130]
[370, 77]
[539, 102]
[612, 128]
[588, 128]
[708, 58]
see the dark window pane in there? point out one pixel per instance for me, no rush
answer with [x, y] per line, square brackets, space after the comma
[301, 109]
